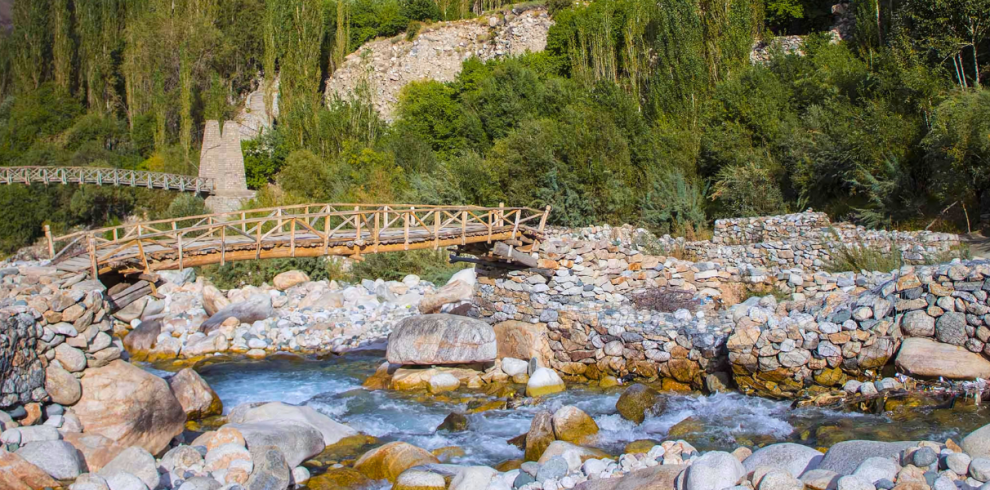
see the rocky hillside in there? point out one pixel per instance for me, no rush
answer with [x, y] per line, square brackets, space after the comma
[436, 53]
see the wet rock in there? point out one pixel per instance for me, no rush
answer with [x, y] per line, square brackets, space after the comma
[455, 422]
[924, 357]
[332, 432]
[637, 401]
[544, 381]
[389, 461]
[198, 400]
[472, 478]
[571, 424]
[130, 406]
[419, 480]
[441, 339]
[571, 453]
[540, 435]
[443, 382]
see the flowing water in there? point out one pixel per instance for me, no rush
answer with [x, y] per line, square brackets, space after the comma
[720, 421]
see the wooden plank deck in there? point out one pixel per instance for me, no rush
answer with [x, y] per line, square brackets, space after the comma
[297, 231]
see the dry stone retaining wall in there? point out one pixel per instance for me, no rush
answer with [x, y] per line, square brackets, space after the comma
[53, 326]
[834, 328]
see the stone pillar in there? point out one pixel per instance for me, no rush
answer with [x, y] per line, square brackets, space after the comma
[221, 160]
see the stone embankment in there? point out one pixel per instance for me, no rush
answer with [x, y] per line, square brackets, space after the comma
[437, 52]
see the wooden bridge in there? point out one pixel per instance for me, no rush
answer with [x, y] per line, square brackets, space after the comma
[106, 176]
[297, 231]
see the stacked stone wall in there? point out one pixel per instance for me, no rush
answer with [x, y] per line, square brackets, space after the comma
[821, 336]
[53, 326]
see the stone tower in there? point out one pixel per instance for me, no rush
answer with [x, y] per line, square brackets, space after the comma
[221, 160]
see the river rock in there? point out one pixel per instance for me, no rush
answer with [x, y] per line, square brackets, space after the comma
[213, 300]
[255, 308]
[73, 360]
[455, 291]
[793, 458]
[130, 406]
[540, 435]
[544, 381]
[570, 453]
[844, 457]
[332, 432]
[977, 443]
[142, 339]
[637, 401]
[221, 458]
[714, 470]
[779, 479]
[853, 482]
[979, 469]
[441, 339]
[136, 461]
[132, 311]
[95, 449]
[820, 479]
[472, 478]
[271, 470]
[198, 400]
[523, 340]
[875, 469]
[512, 366]
[571, 424]
[201, 483]
[181, 458]
[288, 279]
[419, 480]
[297, 440]
[924, 357]
[61, 385]
[443, 382]
[659, 477]
[57, 458]
[121, 480]
[18, 473]
[389, 461]
[89, 481]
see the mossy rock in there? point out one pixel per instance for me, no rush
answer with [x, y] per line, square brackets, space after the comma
[640, 446]
[455, 422]
[339, 479]
[637, 401]
[389, 461]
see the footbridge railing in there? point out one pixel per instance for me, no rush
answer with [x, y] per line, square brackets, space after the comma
[290, 231]
[105, 176]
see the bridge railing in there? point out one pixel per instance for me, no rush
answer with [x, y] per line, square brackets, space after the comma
[313, 229]
[105, 176]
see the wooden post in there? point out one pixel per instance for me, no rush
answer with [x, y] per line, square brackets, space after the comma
[292, 237]
[91, 246]
[543, 220]
[515, 227]
[464, 215]
[501, 214]
[405, 227]
[51, 244]
[491, 220]
[243, 223]
[178, 237]
[357, 226]
[436, 229]
[257, 231]
[377, 230]
[223, 246]
[326, 234]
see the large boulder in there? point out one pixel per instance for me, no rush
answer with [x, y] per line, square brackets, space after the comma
[540, 435]
[389, 461]
[794, 458]
[441, 339]
[198, 400]
[714, 470]
[130, 406]
[255, 308]
[331, 430]
[572, 424]
[298, 441]
[288, 279]
[213, 300]
[844, 457]
[57, 458]
[925, 357]
[95, 449]
[16, 473]
[523, 340]
[637, 401]
[142, 339]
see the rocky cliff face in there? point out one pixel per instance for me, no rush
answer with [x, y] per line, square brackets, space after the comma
[436, 53]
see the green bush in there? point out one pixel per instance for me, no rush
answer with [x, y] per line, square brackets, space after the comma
[429, 265]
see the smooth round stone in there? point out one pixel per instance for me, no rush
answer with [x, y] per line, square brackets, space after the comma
[554, 469]
[944, 483]
[523, 479]
[924, 457]
[884, 484]
[979, 469]
[958, 462]
[853, 482]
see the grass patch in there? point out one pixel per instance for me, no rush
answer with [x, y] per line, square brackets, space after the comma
[863, 258]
